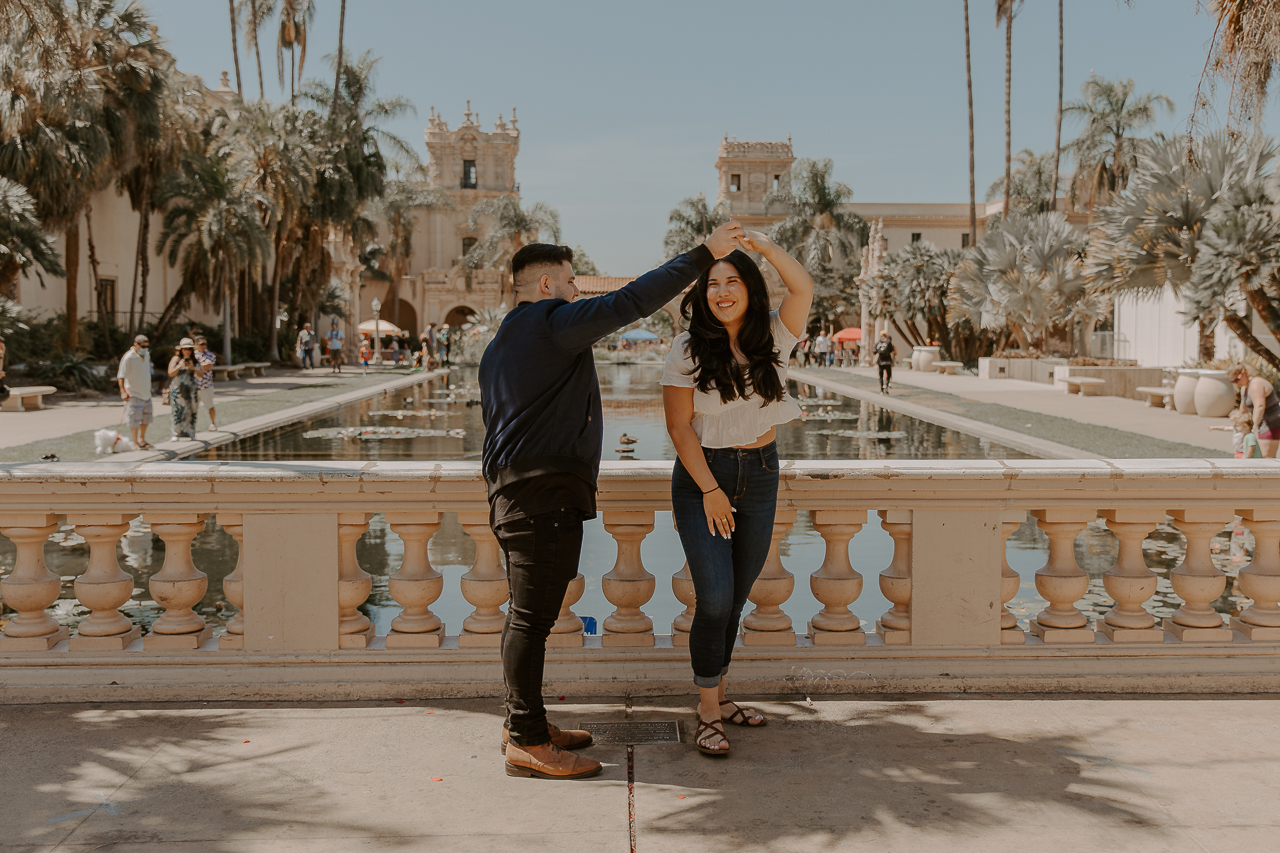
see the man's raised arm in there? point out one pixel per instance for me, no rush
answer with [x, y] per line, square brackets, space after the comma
[579, 324]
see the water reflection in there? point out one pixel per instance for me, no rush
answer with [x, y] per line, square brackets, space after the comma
[833, 428]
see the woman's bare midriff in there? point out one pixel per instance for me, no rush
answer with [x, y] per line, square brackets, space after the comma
[759, 442]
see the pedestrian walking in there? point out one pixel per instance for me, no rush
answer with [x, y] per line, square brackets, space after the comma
[540, 400]
[366, 353]
[1258, 400]
[204, 381]
[134, 379]
[306, 347]
[334, 340]
[884, 353]
[446, 339]
[724, 393]
[822, 348]
[183, 372]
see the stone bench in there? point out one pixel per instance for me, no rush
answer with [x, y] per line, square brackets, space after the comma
[226, 372]
[27, 399]
[254, 368]
[947, 368]
[1085, 386]
[1155, 394]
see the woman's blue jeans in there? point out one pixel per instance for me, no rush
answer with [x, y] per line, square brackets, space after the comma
[723, 570]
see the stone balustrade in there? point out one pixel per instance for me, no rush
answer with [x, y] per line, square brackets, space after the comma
[298, 584]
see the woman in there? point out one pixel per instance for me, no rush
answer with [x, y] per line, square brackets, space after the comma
[183, 369]
[885, 352]
[1258, 400]
[724, 391]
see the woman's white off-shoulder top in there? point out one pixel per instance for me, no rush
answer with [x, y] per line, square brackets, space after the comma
[738, 422]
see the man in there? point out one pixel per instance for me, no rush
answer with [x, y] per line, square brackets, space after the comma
[306, 344]
[821, 345]
[884, 352]
[204, 380]
[443, 339]
[134, 379]
[335, 340]
[541, 459]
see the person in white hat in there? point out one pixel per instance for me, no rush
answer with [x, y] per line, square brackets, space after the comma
[184, 372]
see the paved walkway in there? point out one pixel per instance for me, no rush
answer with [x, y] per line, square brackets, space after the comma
[1107, 427]
[66, 427]
[957, 775]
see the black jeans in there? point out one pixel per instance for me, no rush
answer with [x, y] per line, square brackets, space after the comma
[886, 374]
[542, 559]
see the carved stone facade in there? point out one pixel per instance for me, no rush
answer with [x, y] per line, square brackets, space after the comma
[748, 172]
[470, 165]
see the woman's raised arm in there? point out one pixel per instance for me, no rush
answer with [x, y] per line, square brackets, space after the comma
[794, 310]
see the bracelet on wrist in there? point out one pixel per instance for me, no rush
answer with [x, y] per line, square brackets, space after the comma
[709, 491]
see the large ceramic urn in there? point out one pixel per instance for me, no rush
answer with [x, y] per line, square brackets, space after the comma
[915, 357]
[928, 355]
[1215, 396]
[1184, 391]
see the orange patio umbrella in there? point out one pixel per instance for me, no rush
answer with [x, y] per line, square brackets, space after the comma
[852, 333]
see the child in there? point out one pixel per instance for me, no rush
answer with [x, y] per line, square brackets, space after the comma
[1243, 441]
[365, 354]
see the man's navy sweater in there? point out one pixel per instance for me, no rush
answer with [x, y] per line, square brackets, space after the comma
[539, 394]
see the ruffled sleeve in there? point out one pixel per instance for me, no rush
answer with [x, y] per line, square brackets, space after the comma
[782, 336]
[679, 369]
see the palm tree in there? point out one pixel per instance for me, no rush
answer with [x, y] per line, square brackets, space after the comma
[820, 234]
[692, 222]
[1005, 11]
[1150, 235]
[256, 13]
[211, 228]
[399, 202]
[968, 81]
[23, 244]
[296, 18]
[510, 227]
[1057, 133]
[1029, 276]
[1031, 186]
[1244, 52]
[235, 49]
[913, 284]
[337, 70]
[1105, 151]
[269, 148]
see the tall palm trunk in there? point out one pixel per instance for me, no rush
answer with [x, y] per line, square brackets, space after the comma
[145, 272]
[257, 51]
[337, 77]
[106, 316]
[235, 48]
[227, 284]
[72, 236]
[1008, 109]
[1057, 138]
[973, 192]
[138, 250]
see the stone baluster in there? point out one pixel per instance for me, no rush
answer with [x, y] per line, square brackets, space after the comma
[484, 586]
[104, 587]
[416, 585]
[1010, 581]
[1260, 580]
[766, 624]
[1197, 581]
[179, 586]
[1129, 581]
[836, 584]
[894, 627]
[1061, 581]
[30, 587]
[233, 584]
[568, 629]
[628, 586]
[682, 587]
[354, 583]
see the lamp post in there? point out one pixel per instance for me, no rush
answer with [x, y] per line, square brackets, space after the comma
[377, 339]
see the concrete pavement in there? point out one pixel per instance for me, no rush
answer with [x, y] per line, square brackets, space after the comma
[948, 774]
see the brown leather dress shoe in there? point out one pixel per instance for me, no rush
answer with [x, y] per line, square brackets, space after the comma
[563, 738]
[548, 761]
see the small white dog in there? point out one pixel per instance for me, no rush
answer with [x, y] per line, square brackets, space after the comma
[111, 441]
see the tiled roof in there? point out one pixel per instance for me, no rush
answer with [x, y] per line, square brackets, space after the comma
[597, 284]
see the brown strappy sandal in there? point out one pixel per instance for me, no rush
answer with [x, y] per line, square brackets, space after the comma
[715, 728]
[741, 717]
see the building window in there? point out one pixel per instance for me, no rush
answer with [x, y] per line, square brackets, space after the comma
[964, 241]
[469, 174]
[108, 286]
[735, 183]
[468, 243]
[777, 180]
[915, 236]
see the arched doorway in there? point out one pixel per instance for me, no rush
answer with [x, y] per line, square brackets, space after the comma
[459, 315]
[408, 318]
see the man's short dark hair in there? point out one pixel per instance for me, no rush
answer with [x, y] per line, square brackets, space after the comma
[539, 255]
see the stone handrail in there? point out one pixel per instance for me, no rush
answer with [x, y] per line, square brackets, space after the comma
[299, 584]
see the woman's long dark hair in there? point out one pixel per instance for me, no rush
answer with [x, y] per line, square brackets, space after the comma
[714, 363]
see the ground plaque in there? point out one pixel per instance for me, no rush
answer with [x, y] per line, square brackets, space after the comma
[634, 732]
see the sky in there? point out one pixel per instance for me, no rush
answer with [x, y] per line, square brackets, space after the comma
[622, 105]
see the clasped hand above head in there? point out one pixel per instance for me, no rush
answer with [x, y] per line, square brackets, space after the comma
[725, 239]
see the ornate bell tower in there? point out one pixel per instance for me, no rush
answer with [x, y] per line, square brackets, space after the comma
[748, 172]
